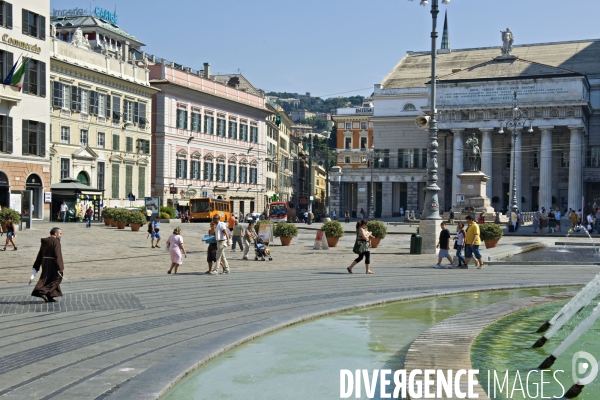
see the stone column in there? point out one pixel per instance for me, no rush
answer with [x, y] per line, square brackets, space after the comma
[575, 168]
[335, 190]
[387, 204]
[457, 164]
[486, 157]
[545, 168]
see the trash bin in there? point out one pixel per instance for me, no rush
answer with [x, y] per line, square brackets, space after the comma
[416, 243]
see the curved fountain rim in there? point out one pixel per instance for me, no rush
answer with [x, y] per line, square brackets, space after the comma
[437, 349]
[149, 384]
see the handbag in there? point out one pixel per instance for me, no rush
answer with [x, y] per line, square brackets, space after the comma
[210, 239]
[356, 248]
[455, 245]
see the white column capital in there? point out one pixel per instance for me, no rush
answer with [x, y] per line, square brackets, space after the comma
[482, 130]
[575, 127]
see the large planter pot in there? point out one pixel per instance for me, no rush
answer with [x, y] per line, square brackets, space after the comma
[375, 242]
[135, 227]
[121, 225]
[285, 241]
[333, 241]
[107, 221]
[491, 243]
[113, 224]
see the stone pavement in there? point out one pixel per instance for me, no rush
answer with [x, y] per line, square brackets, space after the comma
[127, 330]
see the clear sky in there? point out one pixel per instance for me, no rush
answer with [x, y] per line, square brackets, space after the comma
[331, 47]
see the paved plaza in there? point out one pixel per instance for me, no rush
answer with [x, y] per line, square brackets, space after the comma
[126, 330]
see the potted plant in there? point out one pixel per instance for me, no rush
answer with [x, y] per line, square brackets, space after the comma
[121, 218]
[165, 217]
[490, 233]
[107, 216]
[379, 231]
[334, 231]
[136, 220]
[6, 213]
[285, 232]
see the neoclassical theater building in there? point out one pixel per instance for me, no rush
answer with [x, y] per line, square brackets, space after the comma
[557, 164]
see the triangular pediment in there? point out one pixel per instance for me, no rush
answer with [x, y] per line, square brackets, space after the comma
[86, 153]
[506, 68]
[196, 154]
[182, 153]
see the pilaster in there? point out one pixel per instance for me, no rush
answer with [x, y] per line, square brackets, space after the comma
[362, 198]
[386, 203]
[457, 164]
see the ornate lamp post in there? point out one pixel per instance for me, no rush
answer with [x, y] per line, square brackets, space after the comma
[371, 159]
[432, 205]
[520, 119]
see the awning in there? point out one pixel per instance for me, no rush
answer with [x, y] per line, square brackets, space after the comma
[183, 203]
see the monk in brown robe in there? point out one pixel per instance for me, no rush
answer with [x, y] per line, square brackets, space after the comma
[51, 261]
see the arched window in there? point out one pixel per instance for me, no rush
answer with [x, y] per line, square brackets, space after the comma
[83, 178]
[409, 107]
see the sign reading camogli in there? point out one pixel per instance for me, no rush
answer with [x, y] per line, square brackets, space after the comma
[81, 12]
[20, 44]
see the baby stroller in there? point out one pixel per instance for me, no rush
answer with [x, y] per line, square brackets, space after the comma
[261, 250]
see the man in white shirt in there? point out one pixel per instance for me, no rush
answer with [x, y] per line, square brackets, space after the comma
[223, 240]
[63, 211]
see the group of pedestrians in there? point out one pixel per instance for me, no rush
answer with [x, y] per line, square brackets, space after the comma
[468, 240]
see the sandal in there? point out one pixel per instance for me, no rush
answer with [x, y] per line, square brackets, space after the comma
[349, 270]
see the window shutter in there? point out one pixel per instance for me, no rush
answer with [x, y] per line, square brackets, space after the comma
[136, 112]
[26, 78]
[416, 158]
[57, 94]
[93, 103]
[25, 143]
[42, 78]
[9, 61]
[9, 135]
[185, 169]
[74, 98]
[25, 22]
[177, 169]
[41, 137]
[42, 22]
[386, 159]
[107, 111]
[8, 11]
[400, 158]
[185, 121]
[424, 159]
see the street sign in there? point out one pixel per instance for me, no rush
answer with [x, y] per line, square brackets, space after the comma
[460, 197]
[172, 190]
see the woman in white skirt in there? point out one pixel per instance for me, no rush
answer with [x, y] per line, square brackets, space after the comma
[176, 250]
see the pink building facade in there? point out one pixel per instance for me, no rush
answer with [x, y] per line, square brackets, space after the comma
[208, 138]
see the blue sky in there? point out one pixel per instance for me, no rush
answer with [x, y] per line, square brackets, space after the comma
[332, 47]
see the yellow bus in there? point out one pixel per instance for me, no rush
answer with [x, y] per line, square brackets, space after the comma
[204, 208]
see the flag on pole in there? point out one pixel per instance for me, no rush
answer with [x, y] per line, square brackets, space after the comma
[11, 73]
[19, 75]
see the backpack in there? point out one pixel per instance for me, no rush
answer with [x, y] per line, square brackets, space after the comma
[150, 227]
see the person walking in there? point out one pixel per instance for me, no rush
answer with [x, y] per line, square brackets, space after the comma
[483, 214]
[460, 245]
[50, 259]
[362, 239]
[237, 233]
[347, 216]
[223, 240]
[444, 245]
[362, 213]
[543, 221]
[11, 234]
[558, 215]
[63, 211]
[249, 238]
[148, 214]
[306, 217]
[518, 220]
[231, 223]
[473, 240]
[536, 221]
[451, 217]
[573, 219]
[155, 232]
[176, 249]
[401, 211]
[551, 220]
[513, 220]
[211, 251]
[334, 215]
[89, 214]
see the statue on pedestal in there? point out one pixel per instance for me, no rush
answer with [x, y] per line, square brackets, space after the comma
[79, 41]
[472, 151]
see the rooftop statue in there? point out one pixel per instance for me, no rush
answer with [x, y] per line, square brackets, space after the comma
[507, 42]
[79, 41]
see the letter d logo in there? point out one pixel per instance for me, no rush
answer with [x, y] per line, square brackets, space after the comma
[588, 368]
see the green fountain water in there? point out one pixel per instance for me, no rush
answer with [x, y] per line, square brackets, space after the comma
[304, 361]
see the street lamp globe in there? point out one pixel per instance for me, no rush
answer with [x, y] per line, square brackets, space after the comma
[424, 3]
[445, 1]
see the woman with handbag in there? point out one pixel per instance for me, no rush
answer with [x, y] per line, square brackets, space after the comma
[211, 252]
[361, 246]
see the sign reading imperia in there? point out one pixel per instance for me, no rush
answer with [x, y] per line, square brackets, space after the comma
[106, 15]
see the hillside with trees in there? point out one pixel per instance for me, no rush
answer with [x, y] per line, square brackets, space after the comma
[316, 104]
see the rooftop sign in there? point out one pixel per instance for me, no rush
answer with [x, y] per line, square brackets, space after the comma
[106, 15]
